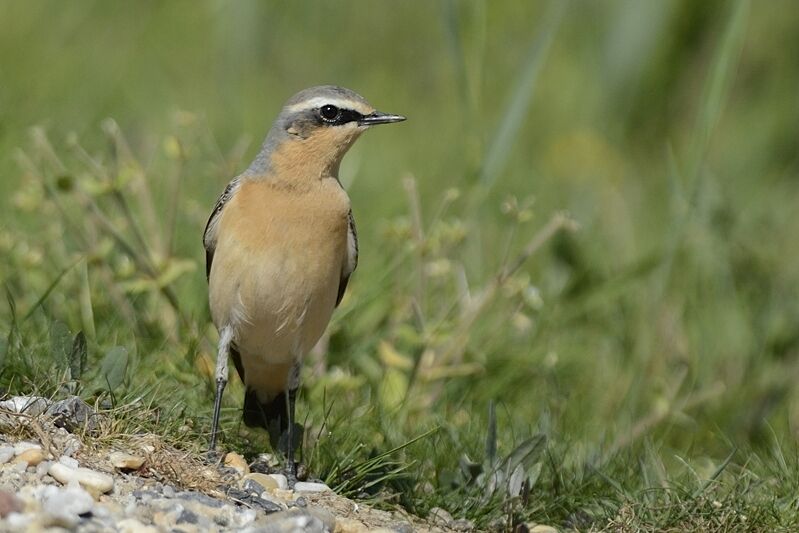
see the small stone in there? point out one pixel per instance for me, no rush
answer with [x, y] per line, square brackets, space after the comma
[20, 522]
[267, 504]
[131, 525]
[9, 503]
[42, 469]
[6, 453]
[281, 480]
[266, 481]
[20, 467]
[30, 405]
[168, 491]
[94, 482]
[32, 456]
[73, 414]
[541, 528]
[125, 461]
[237, 463]
[23, 446]
[68, 461]
[65, 506]
[440, 517]
[304, 486]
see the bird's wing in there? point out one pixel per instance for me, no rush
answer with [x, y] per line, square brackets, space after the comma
[209, 237]
[352, 258]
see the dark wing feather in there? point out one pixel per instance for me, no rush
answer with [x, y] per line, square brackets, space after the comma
[352, 258]
[209, 236]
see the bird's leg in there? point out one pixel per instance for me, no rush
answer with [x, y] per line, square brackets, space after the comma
[291, 400]
[225, 338]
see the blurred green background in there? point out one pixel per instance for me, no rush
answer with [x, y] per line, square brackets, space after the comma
[668, 130]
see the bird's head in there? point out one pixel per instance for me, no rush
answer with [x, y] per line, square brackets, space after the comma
[318, 125]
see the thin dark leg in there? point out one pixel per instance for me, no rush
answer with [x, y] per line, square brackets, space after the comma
[220, 388]
[291, 397]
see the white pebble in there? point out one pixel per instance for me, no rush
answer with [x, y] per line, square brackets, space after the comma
[68, 461]
[42, 468]
[19, 521]
[24, 445]
[95, 482]
[20, 466]
[6, 453]
[125, 461]
[280, 479]
[302, 486]
[65, 505]
[31, 405]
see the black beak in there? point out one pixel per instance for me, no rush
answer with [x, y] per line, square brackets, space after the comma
[379, 118]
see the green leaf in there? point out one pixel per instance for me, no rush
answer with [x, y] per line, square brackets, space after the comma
[526, 454]
[77, 357]
[60, 343]
[114, 367]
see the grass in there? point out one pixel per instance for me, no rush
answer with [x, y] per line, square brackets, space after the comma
[577, 299]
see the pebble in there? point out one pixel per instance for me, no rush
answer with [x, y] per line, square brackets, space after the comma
[440, 516]
[282, 481]
[68, 461]
[24, 446]
[305, 486]
[125, 461]
[541, 528]
[31, 456]
[65, 505]
[42, 469]
[31, 405]
[95, 482]
[6, 453]
[265, 481]
[19, 522]
[237, 463]
[73, 414]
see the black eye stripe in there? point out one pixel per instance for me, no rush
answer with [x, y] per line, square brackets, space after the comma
[344, 116]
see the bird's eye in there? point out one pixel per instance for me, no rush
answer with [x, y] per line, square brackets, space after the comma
[329, 112]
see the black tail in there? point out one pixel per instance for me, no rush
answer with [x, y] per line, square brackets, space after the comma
[271, 415]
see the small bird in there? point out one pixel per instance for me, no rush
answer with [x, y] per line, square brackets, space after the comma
[280, 247]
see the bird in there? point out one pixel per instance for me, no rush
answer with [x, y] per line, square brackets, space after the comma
[280, 247]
